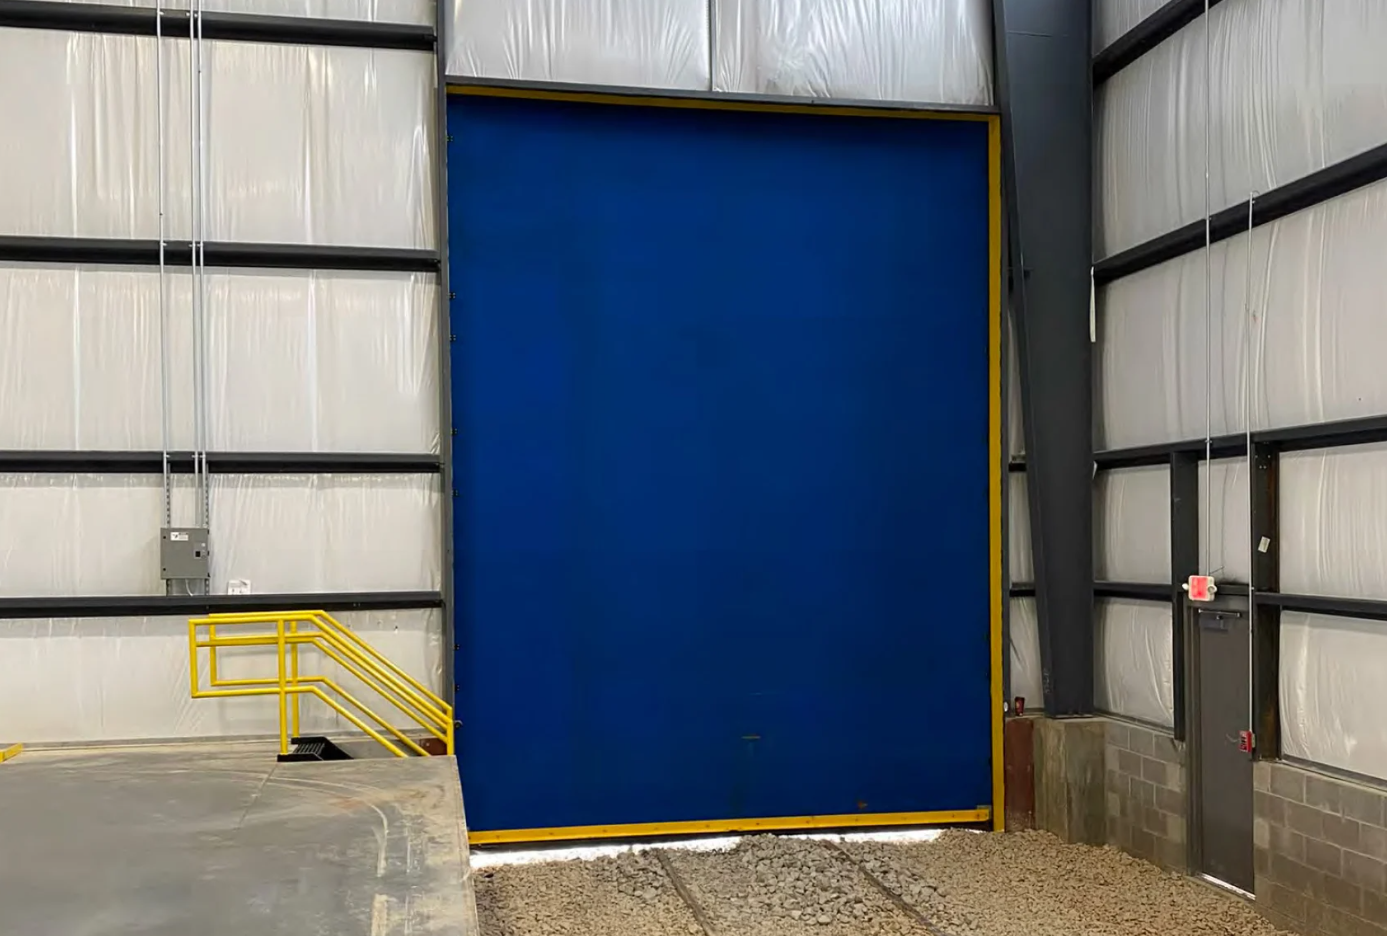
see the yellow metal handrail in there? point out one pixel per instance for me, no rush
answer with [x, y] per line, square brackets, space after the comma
[319, 630]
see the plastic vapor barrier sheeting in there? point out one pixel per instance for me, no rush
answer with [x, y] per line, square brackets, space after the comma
[1134, 661]
[324, 361]
[930, 51]
[1333, 541]
[1026, 680]
[304, 144]
[99, 534]
[1310, 333]
[106, 679]
[1332, 673]
[1153, 344]
[1131, 525]
[926, 51]
[1019, 529]
[637, 43]
[1016, 426]
[1113, 19]
[415, 12]
[297, 361]
[1225, 551]
[79, 535]
[1298, 85]
[288, 533]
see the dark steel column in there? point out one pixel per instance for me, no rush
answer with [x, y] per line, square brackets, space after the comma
[445, 348]
[1044, 90]
[1184, 562]
[1266, 618]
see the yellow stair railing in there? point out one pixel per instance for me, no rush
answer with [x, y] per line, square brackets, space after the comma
[290, 631]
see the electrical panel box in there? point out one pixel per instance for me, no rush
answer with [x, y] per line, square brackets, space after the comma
[183, 553]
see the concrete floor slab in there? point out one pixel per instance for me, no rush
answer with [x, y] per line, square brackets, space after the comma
[224, 841]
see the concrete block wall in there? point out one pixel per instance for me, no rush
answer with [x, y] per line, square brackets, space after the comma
[1147, 794]
[1321, 852]
[1069, 779]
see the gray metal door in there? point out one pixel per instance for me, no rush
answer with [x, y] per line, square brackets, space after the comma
[1220, 770]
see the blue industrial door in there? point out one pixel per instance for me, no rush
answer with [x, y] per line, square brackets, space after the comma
[721, 397]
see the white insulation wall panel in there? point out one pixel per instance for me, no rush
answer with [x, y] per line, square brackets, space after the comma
[1160, 358]
[298, 361]
[1021, 559]
[1134, 660]
[1332, 673]
[1026, 678]
[635, 43]
[1333, 539]
[108, 679]
[80, 358]
[79, 535]
[930, 51]
[1303, 345]
[63, 534]
[413, 12]
[323, 361]
[324, 533]
[1131, 525]
[319, 145]
[304, 144]
[1225, 514]
[1016, 426]
[1113, 19]
[1298, 85]
[79, 153]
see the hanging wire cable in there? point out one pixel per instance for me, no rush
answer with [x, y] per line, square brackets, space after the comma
[193, 223]
[196, 193]
[164, 375]
[1249, 384]
[1205, 557]
[204, 481]
[1249, 319]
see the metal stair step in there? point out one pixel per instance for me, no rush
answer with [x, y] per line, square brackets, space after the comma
[314, 749]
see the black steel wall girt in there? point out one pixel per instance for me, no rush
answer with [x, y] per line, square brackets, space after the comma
[1146, 35]
[1330, 182]
[26, 249]
[219, 462]
[1330, 435]
[143, 21]
[183, 605]
[1368, 609]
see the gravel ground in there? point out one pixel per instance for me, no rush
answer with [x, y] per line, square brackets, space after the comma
[963, 883]
[771, 886]
[628, 894]
[1031, 884]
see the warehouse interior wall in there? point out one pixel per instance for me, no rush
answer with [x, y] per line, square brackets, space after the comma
[314, 374]
[1271, 328]
[921, 51]
[1258, 126]
[317, 373]
[416, 12]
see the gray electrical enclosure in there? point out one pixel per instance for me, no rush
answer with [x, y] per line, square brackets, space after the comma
[183, 553]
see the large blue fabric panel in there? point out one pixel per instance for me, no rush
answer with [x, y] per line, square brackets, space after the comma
[721, 394]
